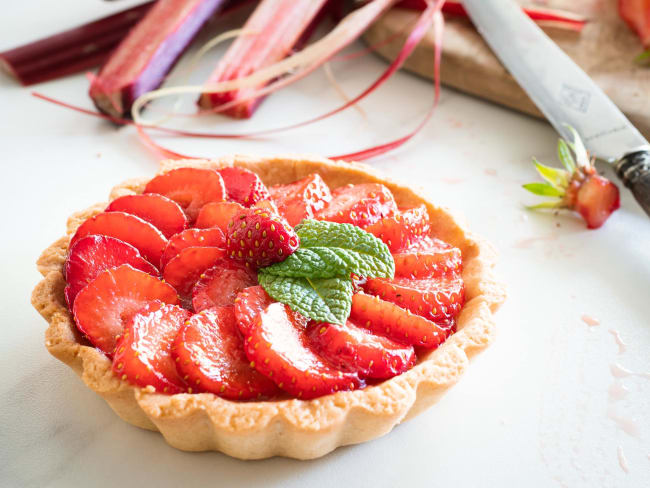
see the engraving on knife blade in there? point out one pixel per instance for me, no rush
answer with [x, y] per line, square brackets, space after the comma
[575, 98]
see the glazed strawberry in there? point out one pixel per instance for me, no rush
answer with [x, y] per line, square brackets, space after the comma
[427, 258]
[164, 214]
[243, 186]
[437, 299]
[249, 303]
[302, 199]
[260, 238]
[387, 319]
[218, 214]
[93, 254]
[128, 228]
[185, 269]
[279, 349]
[143, 353]
[361, 205]
[358, 350]
[403, 230]
[192, 238]
[219, 285]
[191, 188]
[105, 306]
[596, 199]
[209, 352]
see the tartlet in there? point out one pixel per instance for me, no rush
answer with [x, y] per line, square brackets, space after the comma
[302, 429]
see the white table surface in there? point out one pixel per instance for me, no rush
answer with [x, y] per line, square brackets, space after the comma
[541, 407]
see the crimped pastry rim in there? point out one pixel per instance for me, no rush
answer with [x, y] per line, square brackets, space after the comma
[302, 429]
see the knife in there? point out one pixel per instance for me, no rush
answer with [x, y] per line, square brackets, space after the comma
[563, 92]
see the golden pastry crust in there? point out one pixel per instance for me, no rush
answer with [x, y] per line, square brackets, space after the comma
[293, 428]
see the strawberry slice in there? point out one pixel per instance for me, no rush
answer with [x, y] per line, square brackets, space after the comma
[403, 230]
[192, 238]
[357, 350]
[428, 258]
[361, 205]
[596, 199]
[191, 188]
[143, 354]
[93, 254]
[437, 299]
[387, 319]
[243, 186]
[185, 269]
[107, 303]
[279, 349]
[249, 303]
[209, 352]
[128, 228]
[218, 214]
[220, 284]
[302, 199]
[164, 214]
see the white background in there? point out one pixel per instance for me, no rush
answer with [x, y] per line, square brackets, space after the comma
[533, 410]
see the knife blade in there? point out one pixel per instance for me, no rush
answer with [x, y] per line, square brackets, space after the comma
[563, 92]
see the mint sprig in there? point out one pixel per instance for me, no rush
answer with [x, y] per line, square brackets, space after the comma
[315, 280]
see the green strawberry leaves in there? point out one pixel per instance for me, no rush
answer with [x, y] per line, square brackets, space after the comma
[315, 280]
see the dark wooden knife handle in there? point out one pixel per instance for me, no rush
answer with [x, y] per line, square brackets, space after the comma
[634, 171]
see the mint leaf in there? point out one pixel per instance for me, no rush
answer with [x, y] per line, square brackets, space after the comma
[325, 300]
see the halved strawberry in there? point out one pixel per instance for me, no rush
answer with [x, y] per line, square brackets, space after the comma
[164, 214]
[403, 230]
[192, 238]
[143, 353]
[428, 258]
[128, 228]
[191, 188]
[268, 205]
[357, 350]
[209, 352]
[243, 186]
[249, 303]
[218, 214]
[107, 303]
[302, 199]
[185, 269]
[596, 199]
[361, 204]
[93, 254]
[437, 299]
[279, 349]
[219, 285]
[387, 319]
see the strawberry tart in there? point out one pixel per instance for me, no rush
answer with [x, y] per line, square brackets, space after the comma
[267, 306]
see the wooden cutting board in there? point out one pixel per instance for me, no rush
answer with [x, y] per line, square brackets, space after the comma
[605, 49]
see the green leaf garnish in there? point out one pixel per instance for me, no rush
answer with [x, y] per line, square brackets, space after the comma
[543, 189]
[315, 280]
[565, 156]
[557, 178]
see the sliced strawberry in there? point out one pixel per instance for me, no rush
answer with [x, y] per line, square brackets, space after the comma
[192, 238]
[597, 199]
[128, 228]
[267, 205]
[361, 205]
[249, 303]
[243, 186]
[279, 349]
[220, 284]
[164, 214]
[185, 269]
[437, 299]
[403, 230]
[427, 259]
[358, 350]
[143, 354]
[209, 352]
[387, 319]
[102, 308]
[302, 199]
[191, 188]
[218, 214]
[93, 254]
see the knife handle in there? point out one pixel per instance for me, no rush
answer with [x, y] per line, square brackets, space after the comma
[634, 171]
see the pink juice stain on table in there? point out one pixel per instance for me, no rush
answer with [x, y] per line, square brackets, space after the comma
[528, 242]
[589, 320]
[622, 345]
[622, 460]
